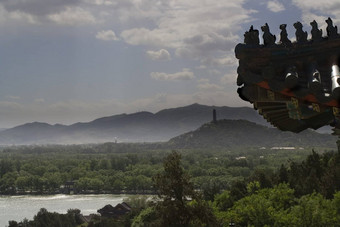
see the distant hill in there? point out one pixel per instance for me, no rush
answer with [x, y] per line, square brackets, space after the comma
[135, 127]
[236, 133]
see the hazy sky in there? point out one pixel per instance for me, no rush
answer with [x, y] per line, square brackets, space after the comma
[63, 61]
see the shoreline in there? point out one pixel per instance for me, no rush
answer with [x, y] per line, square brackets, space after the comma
[83, 193]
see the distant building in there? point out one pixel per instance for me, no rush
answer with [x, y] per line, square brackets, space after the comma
[114, 212]
[240, 158]
[87, 218]
[283, 148]
[69, 187]
[214, 116]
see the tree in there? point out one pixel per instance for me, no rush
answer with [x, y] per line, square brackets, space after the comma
[314, 210]
[262, 207]
[175, 190]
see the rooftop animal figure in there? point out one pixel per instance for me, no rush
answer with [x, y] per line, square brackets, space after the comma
[268, 38]
[332, 31]
[252, 36]
[301, 36]
[316, 32]
[284, 35]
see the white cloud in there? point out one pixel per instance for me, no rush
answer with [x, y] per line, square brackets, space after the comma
[194, 28]
[142, 36]
[317, 5]
[229, 78]
[13, 97]
[101, 2]
[162, 55]
[16, 16]
[209, 86]
[203, 80]
[275, 6]
[72, 111]
[186, 74]
[21, 16]
[214, 72]
[39, 100]
[205, 85]
[73, 16]
[107, 35]
[319, 11]
[223, 61]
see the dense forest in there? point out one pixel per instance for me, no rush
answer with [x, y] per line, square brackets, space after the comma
[128, 168]
[300, 194]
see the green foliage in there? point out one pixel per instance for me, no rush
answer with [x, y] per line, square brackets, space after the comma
[175, 190]
[260, 187]
[137, 202]
[147, 218]
[223, 201]
[319, 173]
[127, 168]
[44, 218]
[241, 133]
[278, 207]
[313, 211]
[253, 187]
[259, 208]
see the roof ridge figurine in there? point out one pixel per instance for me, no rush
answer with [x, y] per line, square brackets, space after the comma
[284, 35]
[301, 36]
[294, 85]
[316, 32]
[332, 31]
[251, 37]
[268, 38]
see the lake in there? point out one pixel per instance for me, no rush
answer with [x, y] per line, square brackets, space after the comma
[26, 206]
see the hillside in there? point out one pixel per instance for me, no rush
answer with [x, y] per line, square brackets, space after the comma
[236, 133]
[135, 127]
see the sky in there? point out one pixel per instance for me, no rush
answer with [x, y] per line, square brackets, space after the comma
[65, 61]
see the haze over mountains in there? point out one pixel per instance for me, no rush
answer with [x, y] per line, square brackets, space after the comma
[135, 127]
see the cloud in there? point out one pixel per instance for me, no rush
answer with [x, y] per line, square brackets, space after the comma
[318, 10]
[101, 2]
[194, 28]
[203, 80]
[161, 55]
[229, 78]
[38, 7]
[39, 100]
[61, 12]
[107, 35]
[223, 61]
[13, 97]
[321, 6]
[275, 6]
[209, 86]
[72, 111]
[186, 74]
[73, 16]
[142, 36]
[16, 16]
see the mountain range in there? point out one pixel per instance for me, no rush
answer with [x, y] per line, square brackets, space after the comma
[136, 127]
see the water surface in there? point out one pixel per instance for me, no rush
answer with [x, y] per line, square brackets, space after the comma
[19, 207]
